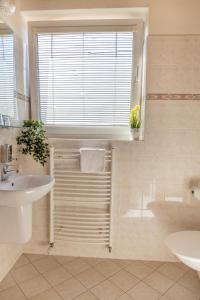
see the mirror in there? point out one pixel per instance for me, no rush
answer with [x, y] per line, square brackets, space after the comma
[8, 106]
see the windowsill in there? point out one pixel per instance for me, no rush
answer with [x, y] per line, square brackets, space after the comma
[90, 133]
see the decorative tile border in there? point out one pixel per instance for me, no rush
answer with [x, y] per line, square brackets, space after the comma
[22, 97]
[173, 96]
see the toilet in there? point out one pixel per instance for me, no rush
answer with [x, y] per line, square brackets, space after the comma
[186, 246]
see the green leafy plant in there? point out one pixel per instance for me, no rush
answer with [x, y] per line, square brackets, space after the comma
[135, 121]
[32, 141]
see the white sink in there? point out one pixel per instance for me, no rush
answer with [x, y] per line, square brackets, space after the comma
[24, 189]
[16, 197]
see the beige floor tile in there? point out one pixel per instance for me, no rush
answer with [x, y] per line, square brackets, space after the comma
[164, 297]
[144, 292]
[138, 269]
[124, 280]
[152, 264]
[13, 293]
[191, 281]
[125, 297]
[159, 282]
[24, 273]
[34, 286]
[57, 275]
[92, 261]
[34, 257]
[90, 278]
[69, 289]
[64, 259]
[45, 264]
[178, 292]
[76, 266]
[122, 262]
[182, 266]
[22, 260]
[107, 268]
[7, 282]
[86, 296]
[107, 291]
[47, 295]
[171, 271]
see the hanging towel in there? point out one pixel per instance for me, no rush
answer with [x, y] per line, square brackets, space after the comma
[92, 160]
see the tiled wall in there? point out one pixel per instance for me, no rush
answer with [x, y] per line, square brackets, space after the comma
[152, 196]
[174, 67]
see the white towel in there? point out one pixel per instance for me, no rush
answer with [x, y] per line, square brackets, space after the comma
[92, 160]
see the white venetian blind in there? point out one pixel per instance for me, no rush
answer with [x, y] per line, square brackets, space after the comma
[7, 75]
[85, 78]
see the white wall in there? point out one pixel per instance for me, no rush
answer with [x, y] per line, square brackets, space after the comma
[166, 16]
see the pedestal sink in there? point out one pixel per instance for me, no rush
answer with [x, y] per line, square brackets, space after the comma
[16, 197]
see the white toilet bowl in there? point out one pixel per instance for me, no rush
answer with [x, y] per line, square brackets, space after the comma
[186, 246]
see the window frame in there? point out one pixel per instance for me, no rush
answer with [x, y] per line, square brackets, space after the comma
[100, 132]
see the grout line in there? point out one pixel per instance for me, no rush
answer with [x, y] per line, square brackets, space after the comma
[51, 286]
[94, 268]
[18, 285]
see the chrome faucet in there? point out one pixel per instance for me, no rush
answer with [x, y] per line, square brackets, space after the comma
[6, 159]
[4, 171]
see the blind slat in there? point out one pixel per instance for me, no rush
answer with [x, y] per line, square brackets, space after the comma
[85, 78]
[7, 75]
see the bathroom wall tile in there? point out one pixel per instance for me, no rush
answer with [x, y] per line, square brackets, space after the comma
[158, 51]
[158, 79]
[180, 79]
[164, 115]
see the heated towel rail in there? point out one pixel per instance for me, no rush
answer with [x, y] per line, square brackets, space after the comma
[81, 204]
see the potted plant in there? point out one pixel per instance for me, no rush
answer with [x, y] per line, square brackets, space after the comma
[135, 122]
[32, 141]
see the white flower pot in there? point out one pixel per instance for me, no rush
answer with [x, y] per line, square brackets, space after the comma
[134, 134]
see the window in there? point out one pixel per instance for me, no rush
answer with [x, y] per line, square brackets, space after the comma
[7, 75]
[86, 77]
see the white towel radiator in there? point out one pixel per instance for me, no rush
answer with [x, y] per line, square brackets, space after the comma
[80, 204]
